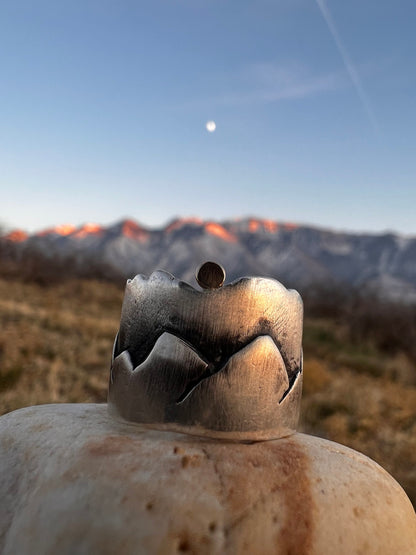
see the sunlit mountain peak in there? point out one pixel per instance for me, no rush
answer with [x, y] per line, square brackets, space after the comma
[217, 229]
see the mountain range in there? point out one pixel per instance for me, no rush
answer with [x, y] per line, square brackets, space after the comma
[297, 255]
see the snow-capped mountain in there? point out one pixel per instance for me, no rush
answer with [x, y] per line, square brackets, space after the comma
[296, 255]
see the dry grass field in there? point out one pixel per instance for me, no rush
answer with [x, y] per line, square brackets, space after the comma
[56, 342]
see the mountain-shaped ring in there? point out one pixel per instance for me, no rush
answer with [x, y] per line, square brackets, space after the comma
[224, 362]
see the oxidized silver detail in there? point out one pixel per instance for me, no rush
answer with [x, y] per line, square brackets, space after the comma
[223, 362]
[210, 275]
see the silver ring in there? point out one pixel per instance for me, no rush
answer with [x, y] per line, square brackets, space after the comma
[225, 362]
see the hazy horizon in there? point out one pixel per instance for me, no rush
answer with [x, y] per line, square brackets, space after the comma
[166, 223]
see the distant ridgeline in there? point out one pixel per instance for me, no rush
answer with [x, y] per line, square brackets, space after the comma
[299, 256]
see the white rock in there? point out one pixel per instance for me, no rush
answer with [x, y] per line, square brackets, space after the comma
[74, 481]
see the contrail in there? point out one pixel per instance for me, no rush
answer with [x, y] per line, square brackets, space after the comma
[352, 72]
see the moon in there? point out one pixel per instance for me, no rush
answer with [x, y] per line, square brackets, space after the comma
[211, 126]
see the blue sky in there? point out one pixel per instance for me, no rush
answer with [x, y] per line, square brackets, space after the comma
[103, 106]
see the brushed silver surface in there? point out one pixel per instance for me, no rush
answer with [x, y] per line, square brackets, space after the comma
[221, 362]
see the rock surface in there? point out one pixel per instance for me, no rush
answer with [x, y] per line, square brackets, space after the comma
[75, 481]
